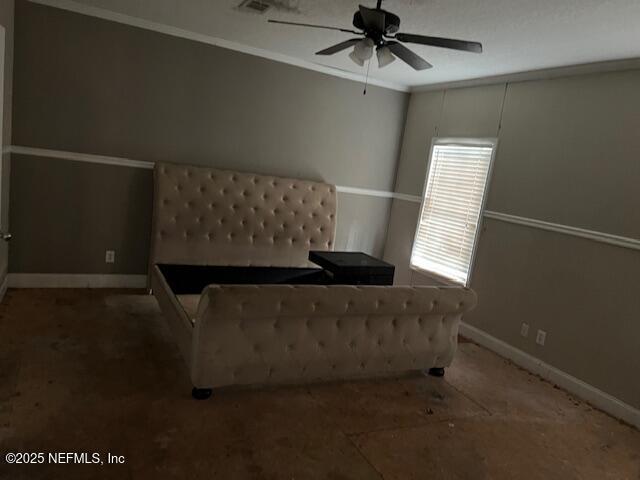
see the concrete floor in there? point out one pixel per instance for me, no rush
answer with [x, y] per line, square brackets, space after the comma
[96, 371]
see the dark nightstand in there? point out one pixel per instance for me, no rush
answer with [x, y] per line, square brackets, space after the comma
[354, 268]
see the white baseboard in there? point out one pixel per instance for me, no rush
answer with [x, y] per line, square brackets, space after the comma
[581, 389]
[73, 280]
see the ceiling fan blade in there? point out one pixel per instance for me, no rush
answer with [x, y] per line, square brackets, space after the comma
[310, 25]
[407, 56]
[454, 44]
[339, 47]
[372, 18]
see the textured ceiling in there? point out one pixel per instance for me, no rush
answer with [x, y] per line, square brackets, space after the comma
[518, 35]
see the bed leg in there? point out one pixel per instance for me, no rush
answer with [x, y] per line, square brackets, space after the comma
[201, 393]
[436, 372]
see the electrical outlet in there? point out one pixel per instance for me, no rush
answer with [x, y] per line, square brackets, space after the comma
[524, 329]
[110, 256]
[541, 337]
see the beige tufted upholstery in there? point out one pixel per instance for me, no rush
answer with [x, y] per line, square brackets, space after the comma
[257, 334]
[280, 334]
[216, 217]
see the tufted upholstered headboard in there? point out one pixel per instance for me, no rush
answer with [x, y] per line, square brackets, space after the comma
[204, 216]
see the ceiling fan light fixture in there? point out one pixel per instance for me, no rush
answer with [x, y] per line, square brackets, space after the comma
[380, 31]
[362, 51]
[385, 57]
[356, 59]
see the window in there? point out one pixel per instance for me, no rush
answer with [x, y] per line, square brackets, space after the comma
[451, 208]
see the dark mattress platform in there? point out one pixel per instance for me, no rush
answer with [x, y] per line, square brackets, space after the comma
[191, 279]
[340, 268]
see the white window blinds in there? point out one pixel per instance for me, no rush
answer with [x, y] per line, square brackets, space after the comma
[451, 208]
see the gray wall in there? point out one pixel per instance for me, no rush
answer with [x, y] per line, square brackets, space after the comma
[6, 20]
[93, 86]
[569, 153]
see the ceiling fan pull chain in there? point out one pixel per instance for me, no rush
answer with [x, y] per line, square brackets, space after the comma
[366, 80]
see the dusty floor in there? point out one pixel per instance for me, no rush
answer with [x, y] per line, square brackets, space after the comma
[96, 371]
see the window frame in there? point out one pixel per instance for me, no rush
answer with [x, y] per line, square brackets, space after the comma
[464, 142]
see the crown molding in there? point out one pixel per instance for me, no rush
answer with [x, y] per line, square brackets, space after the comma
[132, 21]
[543, 74]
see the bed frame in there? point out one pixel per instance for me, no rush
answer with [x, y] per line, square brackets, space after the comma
[247, 334]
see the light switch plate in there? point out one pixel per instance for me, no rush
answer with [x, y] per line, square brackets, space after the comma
[524, 330]
[541, 337]
[110, 256]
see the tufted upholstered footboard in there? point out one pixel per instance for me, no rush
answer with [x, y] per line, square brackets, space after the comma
[246, 334]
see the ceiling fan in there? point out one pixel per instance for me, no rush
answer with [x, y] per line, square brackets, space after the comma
[380, 31]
